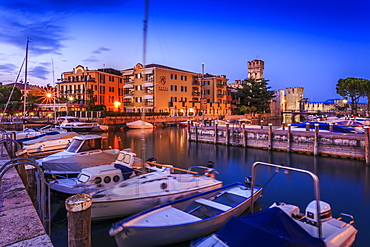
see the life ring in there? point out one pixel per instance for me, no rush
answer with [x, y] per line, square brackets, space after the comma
[164, 186]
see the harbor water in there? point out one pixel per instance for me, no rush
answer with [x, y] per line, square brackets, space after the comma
[344, 183]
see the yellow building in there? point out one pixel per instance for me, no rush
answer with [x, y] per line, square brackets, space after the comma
[97, 87]
[158, 88]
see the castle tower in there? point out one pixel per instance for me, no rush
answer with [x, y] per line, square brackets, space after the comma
[255, 69]
[293, 97]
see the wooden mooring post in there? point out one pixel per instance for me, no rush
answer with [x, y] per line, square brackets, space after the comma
[79, 220]
[367, 145]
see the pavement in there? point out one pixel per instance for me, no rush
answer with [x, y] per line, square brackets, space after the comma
[19, 222]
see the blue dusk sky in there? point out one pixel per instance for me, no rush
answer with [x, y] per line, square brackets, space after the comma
[304, 43]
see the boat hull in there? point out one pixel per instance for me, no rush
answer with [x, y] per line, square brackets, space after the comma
[164, 235]
[102, 210]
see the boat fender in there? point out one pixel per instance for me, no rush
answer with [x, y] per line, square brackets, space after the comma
[163, 186]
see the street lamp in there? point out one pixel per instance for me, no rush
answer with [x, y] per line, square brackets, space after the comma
[117, 104]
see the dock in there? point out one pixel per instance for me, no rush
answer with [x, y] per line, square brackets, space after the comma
[20, 224]
[343, 145]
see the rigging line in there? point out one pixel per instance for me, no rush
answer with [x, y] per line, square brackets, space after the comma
[11, 93]
[270, 179]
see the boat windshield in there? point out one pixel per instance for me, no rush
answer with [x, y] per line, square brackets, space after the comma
[75, 145]
[72, 120]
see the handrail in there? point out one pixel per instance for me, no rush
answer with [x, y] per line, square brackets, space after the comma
[314, 177]
[171, 167]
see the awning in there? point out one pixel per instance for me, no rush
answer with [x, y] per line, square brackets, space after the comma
[147, 72]
[128, 73]
[128, 97]
[150, 96]
[148, 84]
[128, 86]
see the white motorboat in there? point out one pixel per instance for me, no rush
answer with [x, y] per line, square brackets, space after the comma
[95, 178]
[139, 124]
[84, 151]
[283, 224]
[47, 143]
[148, 190]
[71, 123]
[185, 219]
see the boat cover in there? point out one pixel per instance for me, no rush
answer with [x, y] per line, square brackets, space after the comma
[76, 163]
[126, 171]
[49, 137]
[38, 136]
[269, 227]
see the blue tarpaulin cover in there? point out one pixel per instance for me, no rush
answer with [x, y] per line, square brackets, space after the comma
[269, 227]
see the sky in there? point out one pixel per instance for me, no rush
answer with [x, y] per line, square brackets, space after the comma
[305, 43]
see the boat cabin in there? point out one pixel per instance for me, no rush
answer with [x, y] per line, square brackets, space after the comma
[85, 143]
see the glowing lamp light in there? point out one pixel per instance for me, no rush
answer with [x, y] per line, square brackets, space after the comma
[70, 98]
[49, 95]
[117, 103]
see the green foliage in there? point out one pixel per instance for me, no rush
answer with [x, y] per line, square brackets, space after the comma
[5, 92]
[256, 95]
[353, 88]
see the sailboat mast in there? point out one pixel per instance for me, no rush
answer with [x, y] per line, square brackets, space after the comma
[144, 64]
[54, 92]
[145, 30]
[25, 81]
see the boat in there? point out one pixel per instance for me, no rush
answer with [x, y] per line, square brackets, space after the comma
[283, 225]
[323, 127]
[95, 178]
[71, 123]
[151, 189]
[185, 219]
[84, 151]
[139, 124]
[46, 143]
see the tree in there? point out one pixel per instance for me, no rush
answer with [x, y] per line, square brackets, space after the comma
[256, 95]
[354, 88]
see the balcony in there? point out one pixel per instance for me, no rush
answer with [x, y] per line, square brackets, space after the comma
[220, 95]
[197, 83]
[128, 103]
[148, 91]
[220, 85]
[129, 92]
[195, 94]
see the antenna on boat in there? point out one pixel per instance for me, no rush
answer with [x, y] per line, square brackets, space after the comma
[54, 91]
[144, 64]
[25, 82]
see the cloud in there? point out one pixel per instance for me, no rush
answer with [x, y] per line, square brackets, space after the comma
[7, 68]
[91, 59]
[39, 72]
[100, 50]
[64, 6]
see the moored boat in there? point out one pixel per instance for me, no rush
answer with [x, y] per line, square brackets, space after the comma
[184, 219]
[84, 151]
[139, 124]
[148, 190]
[283, 225]
[95, 178]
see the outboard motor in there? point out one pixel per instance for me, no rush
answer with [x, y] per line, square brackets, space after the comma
[248, 181]
[311, 212]
[210, 164]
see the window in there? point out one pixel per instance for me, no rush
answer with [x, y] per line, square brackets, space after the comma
[138, 99]
[183, 89]
[173, 88]
[183, 78]
[138, 88]
[206, 83]
[173, 76]
[102, 89]
[102, 78]
[207, 92]
[111, 78]
[138, 76]
[173, 99]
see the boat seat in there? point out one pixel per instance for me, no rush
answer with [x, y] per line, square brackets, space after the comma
[213, 204]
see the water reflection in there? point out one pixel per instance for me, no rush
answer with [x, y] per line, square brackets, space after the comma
[344, 182]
